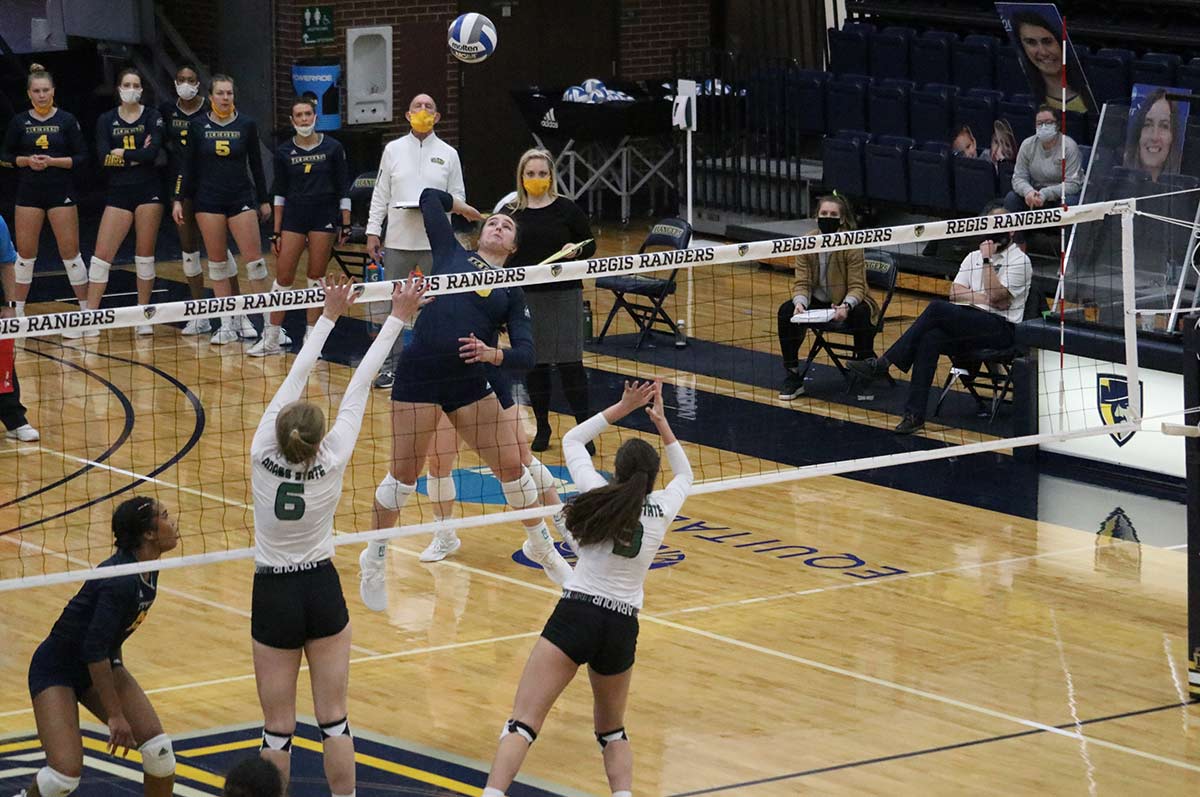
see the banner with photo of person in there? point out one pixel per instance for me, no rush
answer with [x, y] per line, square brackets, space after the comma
[1157, 127]
[1036, 32]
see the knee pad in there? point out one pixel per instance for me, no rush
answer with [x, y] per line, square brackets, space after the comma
[392, 493]
[257, 269]
[23, 270]
[611, 736]
[280, 742]
[340, 728]
[229, 267]
[518, 727]
[277, 288]
[217, 270]
[441, 488]
[158, 757]
[542, 476]
[51, 783]
[191, 264]
[145, 267]
[77, 273]
[522, 492]
[98, 271]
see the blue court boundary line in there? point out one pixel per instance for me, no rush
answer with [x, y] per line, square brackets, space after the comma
[925, 751]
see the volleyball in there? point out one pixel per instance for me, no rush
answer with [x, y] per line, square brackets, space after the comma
[472, 38]
[592, 84]
[575, 94]
[597, 95]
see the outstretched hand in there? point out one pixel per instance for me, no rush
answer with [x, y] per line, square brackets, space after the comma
[655, 410]
[636, 394]
[408, 297]
[339, 295]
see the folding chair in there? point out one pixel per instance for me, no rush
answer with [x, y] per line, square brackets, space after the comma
[360, 205]
[642, 297]
[881, 276]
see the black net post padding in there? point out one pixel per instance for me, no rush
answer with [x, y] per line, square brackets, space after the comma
[1191, 398]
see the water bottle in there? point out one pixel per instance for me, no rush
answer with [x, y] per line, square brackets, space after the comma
[372, 271]
[588, 331]
[680, 334]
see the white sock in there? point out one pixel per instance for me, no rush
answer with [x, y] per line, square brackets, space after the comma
[20, 308]
[83, 304]
[308, 330]
[347, 794]
[378, 548]
[539, 535]
[492, 792]
[623, 793]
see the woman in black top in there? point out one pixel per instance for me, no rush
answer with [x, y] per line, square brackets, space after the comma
[128, 139]
[548, 223]
[81, 662]
[45, 145]
[221, 145]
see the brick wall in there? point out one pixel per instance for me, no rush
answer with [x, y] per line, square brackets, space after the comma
[651, 31]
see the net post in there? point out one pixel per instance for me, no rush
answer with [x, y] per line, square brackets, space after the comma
[1191, 445]
[1129, 302]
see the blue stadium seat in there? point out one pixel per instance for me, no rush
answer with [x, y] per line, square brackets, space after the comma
[974, 183]
[972, 62]
[888, 107]
[1008, 75]
[843, 164]
[887, 168]
[1079, 127]
[1085, 156]
[1019, 112]
[930, 178]
[846, 103]
[849, 49]
[930, 112]
[976, 111]
[889, 53]
[930, 57]
[1157, 69]
[1187, 76]
[1004, 175]
[1108, 72]
[806, 100]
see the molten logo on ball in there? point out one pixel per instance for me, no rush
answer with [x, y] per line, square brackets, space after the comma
[472, 38]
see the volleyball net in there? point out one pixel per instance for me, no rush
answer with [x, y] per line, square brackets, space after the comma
[172, 417]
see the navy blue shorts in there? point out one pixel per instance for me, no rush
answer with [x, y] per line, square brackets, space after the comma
[223, 207]
[46, 194]
[446, 381]
[131, 197]
[55, 665]
[306, 217]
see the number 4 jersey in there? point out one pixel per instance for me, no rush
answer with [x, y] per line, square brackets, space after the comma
[57, 137]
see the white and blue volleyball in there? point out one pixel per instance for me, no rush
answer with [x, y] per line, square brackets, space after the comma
[592, 84]
[575, 94]
[472, 38]
[597, 95]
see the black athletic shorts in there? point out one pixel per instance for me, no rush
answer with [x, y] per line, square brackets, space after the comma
[306, 217]
[228, 208]
[289, 608]
[131, 197]
[46, 194]
[602, 638]
[446, 381]
[54, 664]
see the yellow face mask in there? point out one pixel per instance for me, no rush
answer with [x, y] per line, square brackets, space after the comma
[421, 121]
[43, 107]
[536, 186]
[223, 116]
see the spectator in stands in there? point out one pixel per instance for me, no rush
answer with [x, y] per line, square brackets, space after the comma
[1038, 178]
[1004, 144]
[987, 301]
[253, 777]
[830, 280]
[963, 143]
[12, 412]
[1041, 48]
[1154, 142]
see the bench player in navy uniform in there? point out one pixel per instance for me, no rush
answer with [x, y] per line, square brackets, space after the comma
[128, 140]
[446, 367]
[46, 146]
[312, 205]
[81, 663]
[223, 177]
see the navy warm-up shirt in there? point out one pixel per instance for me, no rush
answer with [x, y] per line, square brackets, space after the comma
[102, 615]
[312, 175]
[141, 140]
[458, 315]
[59, 137]
[214, 167]
[176, 123]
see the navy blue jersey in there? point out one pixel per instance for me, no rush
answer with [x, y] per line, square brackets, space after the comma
[59, 137]
[216, 160]
[141, 141]
[458, 315]
[176, 122]
[102, 615]
[319, 174]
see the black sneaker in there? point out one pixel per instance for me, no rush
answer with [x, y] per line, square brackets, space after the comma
[909, 424]
[541, 440]
[793, 386]
[868, 370]
[385, 380]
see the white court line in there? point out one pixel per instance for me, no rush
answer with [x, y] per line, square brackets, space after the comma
[135, 776]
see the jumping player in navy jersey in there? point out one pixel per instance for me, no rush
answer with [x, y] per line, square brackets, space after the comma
[221, 146]
[46, 146]
[80, 662]
[445, 367]
[312, 205]
[128, 140]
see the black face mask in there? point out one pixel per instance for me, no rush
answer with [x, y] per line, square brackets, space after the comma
[828, 224]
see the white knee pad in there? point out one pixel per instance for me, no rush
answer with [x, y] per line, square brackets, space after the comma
[277, 288]
[77, 273]
[392, 493]
[191, 264]
[23, 270]
[217, 270]
[441, 488]
[144, 266]
[522, 492]
[98, 271]
[51, 783]
[542, 476]
[158, 757]
[257, 269]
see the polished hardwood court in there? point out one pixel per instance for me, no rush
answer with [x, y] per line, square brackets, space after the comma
[824, 636]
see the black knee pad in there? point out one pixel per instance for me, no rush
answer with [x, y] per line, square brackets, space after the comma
[611, 736]
[279, 742]
[518, 727]
[332, 729]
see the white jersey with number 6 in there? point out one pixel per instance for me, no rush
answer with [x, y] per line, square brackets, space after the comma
[611, 570]
[294, 503]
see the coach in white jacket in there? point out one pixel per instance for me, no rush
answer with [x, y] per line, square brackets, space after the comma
[409, 165]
